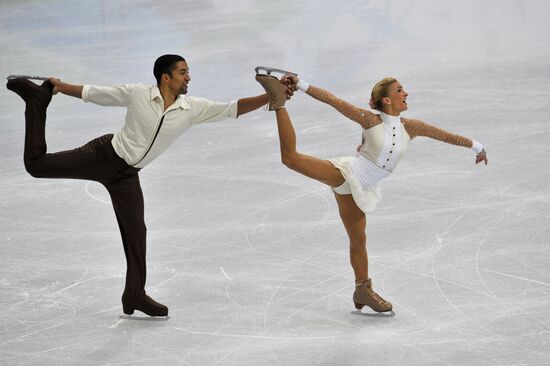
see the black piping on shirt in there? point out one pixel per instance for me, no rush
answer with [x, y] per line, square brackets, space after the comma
[152, 142]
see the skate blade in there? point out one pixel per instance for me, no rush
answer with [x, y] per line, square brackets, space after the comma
[144, 318]
[387, 314]
[12, 77]
[269, 70]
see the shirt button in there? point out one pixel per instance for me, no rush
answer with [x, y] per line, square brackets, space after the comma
[394, 135]
[393, 144]
[391, 151]
[383, 166]
[387, 159]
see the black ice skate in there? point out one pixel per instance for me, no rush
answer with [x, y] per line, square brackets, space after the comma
[146, 305]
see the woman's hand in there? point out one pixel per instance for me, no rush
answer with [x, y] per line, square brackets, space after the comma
[290, 89]
[482, 156]
[291, 81]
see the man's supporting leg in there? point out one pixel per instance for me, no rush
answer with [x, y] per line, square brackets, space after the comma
[127, 199]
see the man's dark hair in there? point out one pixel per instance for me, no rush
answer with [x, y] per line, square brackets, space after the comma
[165, 64]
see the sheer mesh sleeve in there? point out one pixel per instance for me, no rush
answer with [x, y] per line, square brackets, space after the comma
[418, 128]
[365, 118]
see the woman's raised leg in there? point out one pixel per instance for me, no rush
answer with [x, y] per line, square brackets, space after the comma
[321, 170]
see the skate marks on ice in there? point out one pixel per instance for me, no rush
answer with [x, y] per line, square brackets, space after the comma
[256, 283]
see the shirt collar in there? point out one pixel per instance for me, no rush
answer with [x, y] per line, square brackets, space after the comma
[181, 101]
[390, 120]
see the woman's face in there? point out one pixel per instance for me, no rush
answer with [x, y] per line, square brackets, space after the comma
[396, 101]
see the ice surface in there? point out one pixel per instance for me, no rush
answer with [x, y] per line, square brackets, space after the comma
[250, 257]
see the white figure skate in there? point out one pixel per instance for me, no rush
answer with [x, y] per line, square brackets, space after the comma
[276, 90]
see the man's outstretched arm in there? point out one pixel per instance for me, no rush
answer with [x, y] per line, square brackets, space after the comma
[113, 96]
[66, 88]
[246, 105]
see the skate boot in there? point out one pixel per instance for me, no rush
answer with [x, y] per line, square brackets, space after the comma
[275, 90]
[364, 295]
[28, 90]
[146, 305]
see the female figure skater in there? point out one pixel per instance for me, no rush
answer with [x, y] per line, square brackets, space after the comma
[386, 137]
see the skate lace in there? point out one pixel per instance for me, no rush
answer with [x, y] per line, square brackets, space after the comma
[376, 297]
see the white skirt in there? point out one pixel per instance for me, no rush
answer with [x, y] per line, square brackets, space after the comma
[362, 177]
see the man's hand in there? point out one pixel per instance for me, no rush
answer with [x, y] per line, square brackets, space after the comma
[66, 88]
[56, 85]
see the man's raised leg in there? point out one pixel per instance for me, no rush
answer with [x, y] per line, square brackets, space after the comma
[37, 98]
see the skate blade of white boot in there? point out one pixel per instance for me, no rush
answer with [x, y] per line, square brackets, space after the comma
[146, 318]
[373, 314]
[12, 77]
[268, 70]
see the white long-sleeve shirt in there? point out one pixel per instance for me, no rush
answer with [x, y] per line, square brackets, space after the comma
[149, 129]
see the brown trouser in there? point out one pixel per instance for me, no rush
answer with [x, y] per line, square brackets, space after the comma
[96, 161]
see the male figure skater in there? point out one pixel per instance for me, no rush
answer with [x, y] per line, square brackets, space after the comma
[156, 116]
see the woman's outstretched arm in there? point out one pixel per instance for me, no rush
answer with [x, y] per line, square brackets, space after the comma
[364, 117]
[416, 128]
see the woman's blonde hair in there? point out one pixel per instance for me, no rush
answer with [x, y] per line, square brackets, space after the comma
[379, 91]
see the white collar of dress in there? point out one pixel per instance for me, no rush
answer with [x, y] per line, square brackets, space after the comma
[390, 120]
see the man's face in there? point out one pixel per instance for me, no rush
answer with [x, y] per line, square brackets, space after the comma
[179, 79]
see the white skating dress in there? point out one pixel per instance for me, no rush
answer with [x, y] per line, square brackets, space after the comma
[382, 148]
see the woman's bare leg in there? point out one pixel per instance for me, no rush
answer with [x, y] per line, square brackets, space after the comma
[321, 170]
[355, 222]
